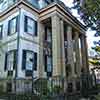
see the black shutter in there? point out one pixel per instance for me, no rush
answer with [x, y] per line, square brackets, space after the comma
[9, 27]
[45, 33]
[25, 24]
[1, 31]
[45, 62]
[24, 60]
[35, 61]
[14, 60]
[5, 67]
[17, 23]
[36, 28]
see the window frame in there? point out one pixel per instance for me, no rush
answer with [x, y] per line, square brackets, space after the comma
[26, 26]
[24, 60]
[9, 26]
[14, 60]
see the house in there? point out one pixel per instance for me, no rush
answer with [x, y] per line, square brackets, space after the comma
[40, 38]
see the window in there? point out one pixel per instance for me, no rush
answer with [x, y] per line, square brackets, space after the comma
[1, 31]
[12, 26]
[48, 35]
[30, 26]
[29, 60]
[10, 60]
[48, 63]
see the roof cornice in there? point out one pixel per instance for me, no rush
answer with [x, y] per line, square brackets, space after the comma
[67, 12]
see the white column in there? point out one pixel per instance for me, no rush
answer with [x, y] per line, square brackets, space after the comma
[56, 45]
[70, 50]
[40, 55]
[62, 48]
[77, 53]
[71, 55]
[84, 52]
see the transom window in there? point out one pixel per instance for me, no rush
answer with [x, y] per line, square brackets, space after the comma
[12, 26]
[1, 30]
[30, 26]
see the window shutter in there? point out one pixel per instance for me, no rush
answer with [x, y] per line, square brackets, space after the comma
[9, 28]
[36, 28]
[17, 23]
[5, 67]
[45, 33]
[1, 33]
[24, 60]
[35, 61]
[14, 61]
[25, 24]
[45, 62]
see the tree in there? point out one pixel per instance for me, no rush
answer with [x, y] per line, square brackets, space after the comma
[89, 11]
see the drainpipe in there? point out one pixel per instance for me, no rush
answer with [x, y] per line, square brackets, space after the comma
[18, 40]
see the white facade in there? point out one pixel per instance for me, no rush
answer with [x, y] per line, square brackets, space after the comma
[8, 43]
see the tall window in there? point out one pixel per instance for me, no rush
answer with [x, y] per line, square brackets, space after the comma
[30, 26]
[48, 65]
[29, 62]
[1, 30]
[12, 26]
[48, 35]
[10, 60]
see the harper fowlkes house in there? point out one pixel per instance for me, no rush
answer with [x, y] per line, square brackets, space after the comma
[39, 39]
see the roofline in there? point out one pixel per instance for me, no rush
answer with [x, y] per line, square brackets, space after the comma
[68, 13]
[61, 7]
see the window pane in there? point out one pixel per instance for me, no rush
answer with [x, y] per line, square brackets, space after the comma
[10, 60]
[13, 26]
[29, 61]
[48, 35]
[49, 65]
[31, 26]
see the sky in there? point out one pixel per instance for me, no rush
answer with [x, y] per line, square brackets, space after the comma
[90, 34]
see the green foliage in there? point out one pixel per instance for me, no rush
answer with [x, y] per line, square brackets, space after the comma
[41, 87]
[89, 11]
[57, 89]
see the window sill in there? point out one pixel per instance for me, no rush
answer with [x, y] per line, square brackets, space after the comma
[30, 34]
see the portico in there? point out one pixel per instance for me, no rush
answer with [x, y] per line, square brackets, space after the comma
[68, 45]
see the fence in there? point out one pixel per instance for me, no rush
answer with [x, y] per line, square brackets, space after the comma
[55, 88]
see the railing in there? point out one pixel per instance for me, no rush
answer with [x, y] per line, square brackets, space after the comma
[52, 88]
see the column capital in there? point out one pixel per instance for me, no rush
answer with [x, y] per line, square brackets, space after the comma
[82, 36]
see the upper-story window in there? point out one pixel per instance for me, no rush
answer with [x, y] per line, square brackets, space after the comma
[12, 26]
[30, 26]
[48, 35]
[1, 31]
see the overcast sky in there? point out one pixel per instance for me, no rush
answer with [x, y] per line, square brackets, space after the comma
[90, 34]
